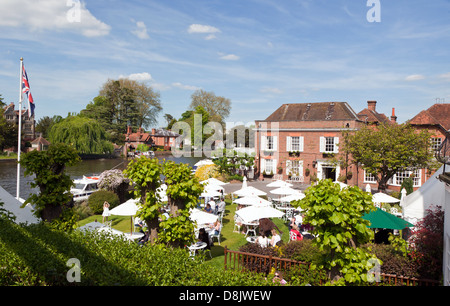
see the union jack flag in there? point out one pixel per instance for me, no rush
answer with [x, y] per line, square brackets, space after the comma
[26, 90]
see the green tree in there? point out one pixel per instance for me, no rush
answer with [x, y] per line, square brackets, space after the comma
[145, 174]
[45, 124]
[84, 134]
[8, 132]
[50, 177]
[217, 107]
[183, 190]
[336, 217]
[387, 149]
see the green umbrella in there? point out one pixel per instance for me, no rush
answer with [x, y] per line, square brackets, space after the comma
[381, 219]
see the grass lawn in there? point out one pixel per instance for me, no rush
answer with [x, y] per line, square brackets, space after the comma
[228, 238]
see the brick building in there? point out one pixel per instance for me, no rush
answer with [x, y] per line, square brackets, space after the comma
[28, 123]
[298, 141]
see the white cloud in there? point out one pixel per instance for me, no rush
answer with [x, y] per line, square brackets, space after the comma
[141, 31]
[230, 57]
[414, 77]
[210, 36]
[271, 90]
[52, 15]
[185, 87]
[445, 76]
[143, 76]
[200, 28]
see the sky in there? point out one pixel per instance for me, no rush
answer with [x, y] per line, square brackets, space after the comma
[259, 54]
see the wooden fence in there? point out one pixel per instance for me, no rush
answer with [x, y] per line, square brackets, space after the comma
[236, 260]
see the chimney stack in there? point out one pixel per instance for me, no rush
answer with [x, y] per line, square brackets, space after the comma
[129, 131]
[371, 105]
[393, 117]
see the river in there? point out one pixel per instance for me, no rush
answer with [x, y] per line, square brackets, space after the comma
[8, 171]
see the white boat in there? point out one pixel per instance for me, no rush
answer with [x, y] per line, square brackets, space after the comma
[84, 187]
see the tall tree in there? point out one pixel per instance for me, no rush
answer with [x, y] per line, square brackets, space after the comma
[217, 107]
[387, 149]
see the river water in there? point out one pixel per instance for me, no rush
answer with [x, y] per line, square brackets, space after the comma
[8, 171]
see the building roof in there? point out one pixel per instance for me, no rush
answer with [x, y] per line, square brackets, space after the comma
[438, 114]
[372, 116]
[163, 133]
[317, 111]
[41, 140]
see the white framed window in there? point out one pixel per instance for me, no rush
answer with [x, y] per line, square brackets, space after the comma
[369, 177]
[269, 143]
[329, 144]
[294, 143]
[400, 176]
[294, 167]
[435, 143]
[269, 166]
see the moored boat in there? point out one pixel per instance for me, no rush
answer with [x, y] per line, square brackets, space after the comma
[84, 187]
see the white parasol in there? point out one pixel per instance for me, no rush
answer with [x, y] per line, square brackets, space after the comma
[279, 183]
[380, 197]
[284, 191]
[250, 190]
[256, 212]
[252, 200]
[293, 197]
[213, 181]
[91, 226]
[202, 217]
[129, 208]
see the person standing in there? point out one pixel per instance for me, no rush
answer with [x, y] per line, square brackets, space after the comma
[106, 212]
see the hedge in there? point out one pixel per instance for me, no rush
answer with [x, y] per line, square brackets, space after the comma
[36, 255]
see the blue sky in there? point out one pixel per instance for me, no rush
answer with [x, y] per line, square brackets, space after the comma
[258, 53]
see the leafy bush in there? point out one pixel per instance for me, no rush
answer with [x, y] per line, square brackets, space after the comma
[304, 251]
[394, 262]
[37, 255]
[96, 200]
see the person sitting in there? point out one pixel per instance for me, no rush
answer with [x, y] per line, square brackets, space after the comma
[204, 237]
[294, 234]
[266, 225]
[262, 240]
[208, 208]
[275, 238]
[216, 227]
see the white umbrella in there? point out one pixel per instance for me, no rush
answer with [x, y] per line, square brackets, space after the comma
[129, 208]
[213, 181]
[210, 194]
[250, 190]
[279, 183]
[368, 188]
[161, 191]
[284, 191]
[252, 200]
[256, 212]
[202, 217]
[293, 197]
[244, 182]
[380, 197]
[107, 229]
[91, 226]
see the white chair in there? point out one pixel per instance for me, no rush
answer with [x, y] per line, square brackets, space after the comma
[216, 236]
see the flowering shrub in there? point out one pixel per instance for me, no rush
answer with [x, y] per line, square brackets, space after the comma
[207, 171]
[428, 242]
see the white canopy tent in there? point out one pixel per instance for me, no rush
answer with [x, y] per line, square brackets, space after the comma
[432, 192]
[279, 183]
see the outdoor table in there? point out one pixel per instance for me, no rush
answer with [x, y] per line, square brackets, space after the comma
[251, 227]
[195, 247]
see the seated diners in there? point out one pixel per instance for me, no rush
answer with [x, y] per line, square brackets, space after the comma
[275, 238]
[262, 240]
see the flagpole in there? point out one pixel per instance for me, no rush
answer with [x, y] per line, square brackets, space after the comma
[19, 141]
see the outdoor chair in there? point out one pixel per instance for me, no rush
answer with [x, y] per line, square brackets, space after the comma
[217, 236]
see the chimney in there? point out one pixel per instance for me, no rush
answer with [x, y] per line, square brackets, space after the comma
[393, 117]
[129, 131]
[153, 131]
[371, 105]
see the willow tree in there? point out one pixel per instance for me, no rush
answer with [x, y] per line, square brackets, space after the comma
[84, 134]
